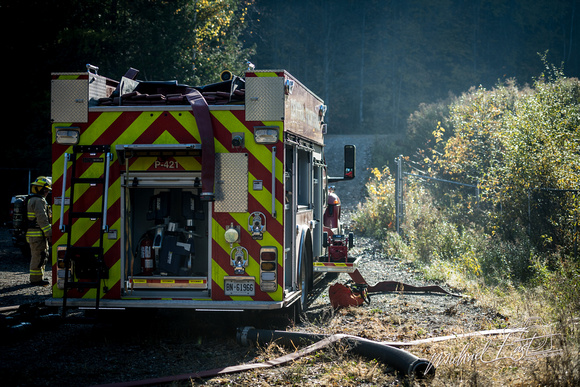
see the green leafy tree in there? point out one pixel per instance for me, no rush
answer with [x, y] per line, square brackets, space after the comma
[192, 41]
[477, 118]
[520, 145]
[542, 159]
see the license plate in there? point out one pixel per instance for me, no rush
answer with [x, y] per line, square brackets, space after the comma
[239, 287]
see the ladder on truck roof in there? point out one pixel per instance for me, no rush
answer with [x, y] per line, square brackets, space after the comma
[89, 265]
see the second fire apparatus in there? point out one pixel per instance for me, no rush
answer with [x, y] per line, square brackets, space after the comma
[213, 197]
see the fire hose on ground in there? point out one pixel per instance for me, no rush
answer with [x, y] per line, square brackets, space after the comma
[403, 361]
[396, 286]
[408, 362]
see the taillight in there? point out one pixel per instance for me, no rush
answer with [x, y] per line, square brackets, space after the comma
[61, 267]
[268, 268]
[61, 251]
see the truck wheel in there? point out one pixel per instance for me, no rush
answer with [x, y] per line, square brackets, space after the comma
[304, 281]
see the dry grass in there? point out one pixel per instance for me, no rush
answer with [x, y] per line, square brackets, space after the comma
[333, 366]
[499, 361]
[478, 361]
[535, 306]
[515, 360]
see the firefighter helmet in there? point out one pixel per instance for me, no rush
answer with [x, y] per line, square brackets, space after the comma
[40, 183]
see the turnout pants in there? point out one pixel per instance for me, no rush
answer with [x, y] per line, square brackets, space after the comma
[39, 254]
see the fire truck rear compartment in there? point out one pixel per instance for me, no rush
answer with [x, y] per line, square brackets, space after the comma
[165, 238]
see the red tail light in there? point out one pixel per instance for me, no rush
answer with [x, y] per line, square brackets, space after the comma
[268, 269]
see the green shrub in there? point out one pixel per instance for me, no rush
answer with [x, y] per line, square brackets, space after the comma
[377, 214]
[503, 260]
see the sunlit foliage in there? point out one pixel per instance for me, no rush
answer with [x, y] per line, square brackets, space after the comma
[191, 41]
[520, 147]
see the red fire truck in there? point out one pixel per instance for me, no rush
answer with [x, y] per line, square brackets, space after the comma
[212, 197]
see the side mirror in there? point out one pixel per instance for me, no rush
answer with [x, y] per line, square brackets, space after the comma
[349, 165]
[349, 162]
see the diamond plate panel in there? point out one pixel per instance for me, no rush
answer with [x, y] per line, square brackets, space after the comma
[97, 89]
[69, 100]
[264, 98]
[231, 188]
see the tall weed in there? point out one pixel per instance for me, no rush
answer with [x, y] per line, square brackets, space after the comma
[376, 215]
[455, 248]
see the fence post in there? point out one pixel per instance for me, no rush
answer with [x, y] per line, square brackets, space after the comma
[398, 193]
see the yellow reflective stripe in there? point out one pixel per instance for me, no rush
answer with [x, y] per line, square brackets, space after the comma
[268, 240]
[136, 128]
[264, 197]
[144, 163]
[81, 225]
[218, 231]
[260, 152]
[114, 275]
[34, 233]
[266, 74]
[69, 76]
[114, 195]
[58, 165]
[165, 138]
[94, 170]
[98, 127]
[218, 275]
[189, 123]
[46, 228]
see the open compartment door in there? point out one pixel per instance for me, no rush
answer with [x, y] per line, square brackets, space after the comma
[165, 224]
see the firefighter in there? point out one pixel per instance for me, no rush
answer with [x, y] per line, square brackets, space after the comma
[39, 228]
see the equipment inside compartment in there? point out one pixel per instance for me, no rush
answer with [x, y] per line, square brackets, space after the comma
[168, 228]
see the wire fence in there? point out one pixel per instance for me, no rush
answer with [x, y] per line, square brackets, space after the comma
[549, 215]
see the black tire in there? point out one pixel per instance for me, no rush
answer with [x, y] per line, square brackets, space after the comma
[305, 280]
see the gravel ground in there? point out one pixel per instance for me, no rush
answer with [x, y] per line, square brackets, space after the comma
[14, 277]
[430, 314]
